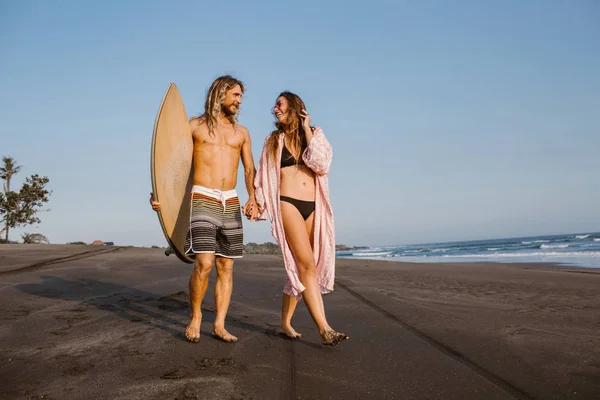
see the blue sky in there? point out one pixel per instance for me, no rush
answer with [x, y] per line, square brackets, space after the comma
[449, 120]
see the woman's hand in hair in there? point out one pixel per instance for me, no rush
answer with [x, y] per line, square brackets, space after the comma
[305, 120]
[306, 125]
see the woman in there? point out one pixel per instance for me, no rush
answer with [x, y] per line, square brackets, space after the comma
[291, 185]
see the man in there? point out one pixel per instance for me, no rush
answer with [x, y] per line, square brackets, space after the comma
[215, 232]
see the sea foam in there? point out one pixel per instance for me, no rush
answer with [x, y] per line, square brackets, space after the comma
[554, 246]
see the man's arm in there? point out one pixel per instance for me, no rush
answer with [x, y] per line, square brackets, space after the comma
[195, 123]
[249, 172]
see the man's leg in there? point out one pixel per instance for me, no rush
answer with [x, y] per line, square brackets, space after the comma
[198, 286]
[223, 289]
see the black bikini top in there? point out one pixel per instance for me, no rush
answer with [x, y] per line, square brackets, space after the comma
[287, 158]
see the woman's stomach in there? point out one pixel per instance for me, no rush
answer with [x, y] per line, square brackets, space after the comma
[298, 183]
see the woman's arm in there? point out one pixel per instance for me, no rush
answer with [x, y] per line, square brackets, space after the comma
[318, 154]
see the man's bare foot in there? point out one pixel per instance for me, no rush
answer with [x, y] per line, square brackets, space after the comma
[192, 332]
[224, 336]
[332, 338]
[289, 332]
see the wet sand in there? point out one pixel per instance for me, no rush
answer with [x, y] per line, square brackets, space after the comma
[108, 323]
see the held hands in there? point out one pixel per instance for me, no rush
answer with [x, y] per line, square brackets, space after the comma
[250, 209]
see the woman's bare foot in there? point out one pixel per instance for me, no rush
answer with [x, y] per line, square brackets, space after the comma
[331, 338]
[289, 332]
[224, 335]
[192, 332]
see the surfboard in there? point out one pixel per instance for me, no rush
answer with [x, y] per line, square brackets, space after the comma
[171, 170]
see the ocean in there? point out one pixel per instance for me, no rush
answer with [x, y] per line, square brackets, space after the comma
[580, 249]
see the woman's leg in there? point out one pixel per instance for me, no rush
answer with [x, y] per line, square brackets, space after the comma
[288, 306]
[310, 228]
[289, 303]
[298, 239]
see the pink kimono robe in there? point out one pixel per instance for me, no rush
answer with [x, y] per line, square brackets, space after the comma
[317, 156]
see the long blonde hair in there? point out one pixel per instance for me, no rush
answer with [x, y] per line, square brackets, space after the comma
[292, 128]
[214, 100]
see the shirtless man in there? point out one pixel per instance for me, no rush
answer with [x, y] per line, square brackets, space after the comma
[215, 232]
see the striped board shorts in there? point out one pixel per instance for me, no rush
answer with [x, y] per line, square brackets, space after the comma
[215, 223]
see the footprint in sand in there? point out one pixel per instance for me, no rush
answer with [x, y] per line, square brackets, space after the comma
[215, 363]
[175, 373]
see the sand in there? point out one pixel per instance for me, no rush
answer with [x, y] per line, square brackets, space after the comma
[110, 324]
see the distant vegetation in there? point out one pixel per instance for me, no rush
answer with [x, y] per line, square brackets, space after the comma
[272, 248]
[34, 238]
[265, 248]
[343, 247]
[76, 243]
[20, 208]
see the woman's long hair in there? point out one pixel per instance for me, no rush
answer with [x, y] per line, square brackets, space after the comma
[292, 128]
[214, 99]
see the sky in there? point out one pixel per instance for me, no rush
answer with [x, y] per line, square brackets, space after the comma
[448, 120]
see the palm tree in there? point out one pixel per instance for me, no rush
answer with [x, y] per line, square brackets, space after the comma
[6, 172]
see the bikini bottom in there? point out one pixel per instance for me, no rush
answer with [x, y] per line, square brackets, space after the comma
[306, 208]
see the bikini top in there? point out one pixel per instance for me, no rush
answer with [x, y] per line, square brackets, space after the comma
[287, 158]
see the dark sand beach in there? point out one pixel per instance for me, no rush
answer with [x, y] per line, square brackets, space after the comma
[84, 322]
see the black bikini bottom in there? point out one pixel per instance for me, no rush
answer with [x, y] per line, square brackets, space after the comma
[306, 208]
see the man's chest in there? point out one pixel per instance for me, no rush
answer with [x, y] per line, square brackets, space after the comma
[222, 139]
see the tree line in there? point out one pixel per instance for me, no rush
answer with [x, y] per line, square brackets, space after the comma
[21, 208]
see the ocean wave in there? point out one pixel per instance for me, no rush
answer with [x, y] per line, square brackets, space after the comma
[526, 242]
[540, 241]
[554, 246]
[534, 254]
[597, 240]
[372, 254]
[440, 250]
[493, 248]
[582, 236]
[417, 251]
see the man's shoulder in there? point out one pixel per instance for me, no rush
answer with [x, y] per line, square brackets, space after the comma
[241, 128]
[197, 123]
[197, 120]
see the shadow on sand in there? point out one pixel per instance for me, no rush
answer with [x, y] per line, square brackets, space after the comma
[169, 313]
